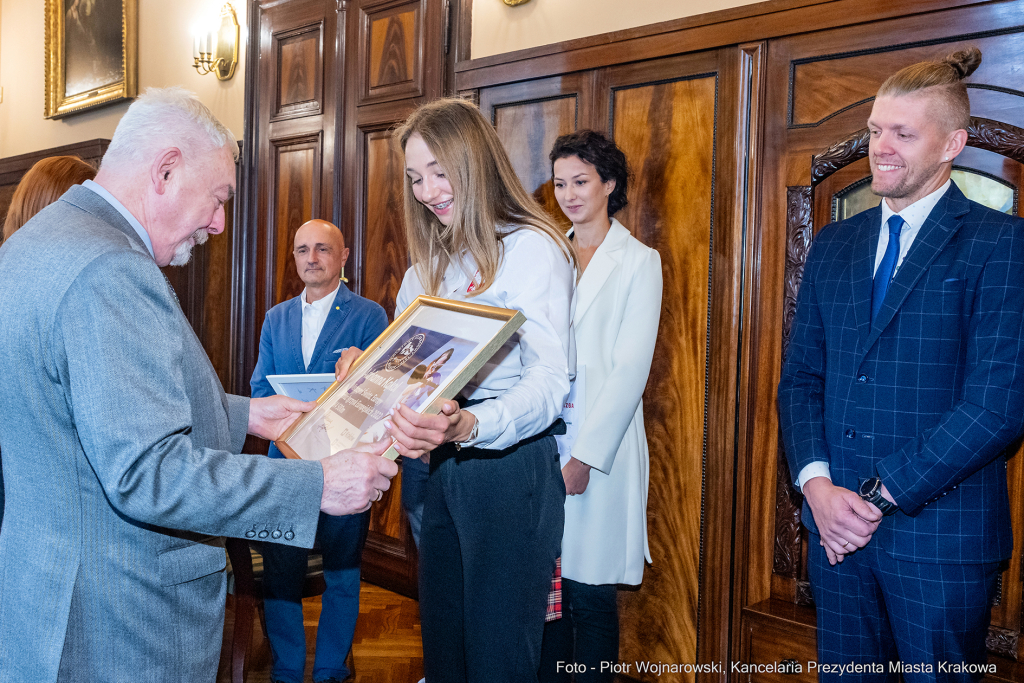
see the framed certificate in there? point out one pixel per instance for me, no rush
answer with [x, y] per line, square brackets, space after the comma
[426, 356]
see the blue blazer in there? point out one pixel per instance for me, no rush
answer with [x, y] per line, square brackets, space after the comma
[931, 397]
[353, 321]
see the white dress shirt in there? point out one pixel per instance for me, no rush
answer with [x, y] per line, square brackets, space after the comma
[314, 315]
[914, 217]
[528, 378]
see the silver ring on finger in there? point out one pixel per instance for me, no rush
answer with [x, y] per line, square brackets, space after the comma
[380, 494]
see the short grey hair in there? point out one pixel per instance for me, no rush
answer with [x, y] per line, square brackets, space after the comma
[162, 118]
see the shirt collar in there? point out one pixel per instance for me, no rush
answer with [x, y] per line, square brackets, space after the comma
[320, 304]
[917, 213]
[119, 207]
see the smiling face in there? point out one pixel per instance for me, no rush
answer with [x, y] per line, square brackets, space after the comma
[580, 191]
[430, 186]
[190, 205]
[911, 154]
[320, 254]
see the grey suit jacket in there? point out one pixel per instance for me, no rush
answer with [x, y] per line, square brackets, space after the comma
[120, 463]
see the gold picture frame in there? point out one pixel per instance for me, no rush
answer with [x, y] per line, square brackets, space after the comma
[426, 356]
[91, 54]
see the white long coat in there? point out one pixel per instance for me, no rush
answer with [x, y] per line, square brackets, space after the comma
[617, 305]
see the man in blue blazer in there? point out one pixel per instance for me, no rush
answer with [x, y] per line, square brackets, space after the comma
[903, 394]
[307, 335]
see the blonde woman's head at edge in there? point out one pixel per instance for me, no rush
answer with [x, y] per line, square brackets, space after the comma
[489, 200]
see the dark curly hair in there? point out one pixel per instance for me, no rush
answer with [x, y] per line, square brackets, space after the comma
[597, 150]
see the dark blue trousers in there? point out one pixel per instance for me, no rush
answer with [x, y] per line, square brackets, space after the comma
[912, 618]
[492, 527]
[341, 542]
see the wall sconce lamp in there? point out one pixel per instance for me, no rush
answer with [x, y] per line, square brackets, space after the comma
[215, 49]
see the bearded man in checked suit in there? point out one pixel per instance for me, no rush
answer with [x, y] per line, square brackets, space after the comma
[903, 394]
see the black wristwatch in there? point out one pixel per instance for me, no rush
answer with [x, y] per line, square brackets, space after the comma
[871, 491]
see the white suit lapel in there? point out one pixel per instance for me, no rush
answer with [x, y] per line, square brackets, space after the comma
[605, 260]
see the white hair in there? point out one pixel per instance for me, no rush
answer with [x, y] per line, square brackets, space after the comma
[162, 118]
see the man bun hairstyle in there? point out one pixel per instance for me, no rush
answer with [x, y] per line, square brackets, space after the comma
[601, 153]
[944, 80]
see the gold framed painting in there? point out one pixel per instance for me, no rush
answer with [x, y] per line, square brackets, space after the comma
[423, 358]
[91, 54]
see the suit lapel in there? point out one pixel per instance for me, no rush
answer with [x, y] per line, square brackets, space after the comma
[601, 266]
[942, 223]
[338, 312]
[861, 275]
[293, 326]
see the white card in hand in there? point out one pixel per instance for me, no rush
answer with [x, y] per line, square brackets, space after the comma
[302, 387]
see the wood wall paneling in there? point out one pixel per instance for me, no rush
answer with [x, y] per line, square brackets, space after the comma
[534, 126]
[391, 51]
[12, 169]
[750, 23]
[386, 255]
[667, 130]
[296, 176]
[300, 81]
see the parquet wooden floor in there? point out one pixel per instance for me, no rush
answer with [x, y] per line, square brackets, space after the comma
[386, 648]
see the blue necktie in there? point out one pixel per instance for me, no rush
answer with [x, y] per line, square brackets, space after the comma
[883, 276]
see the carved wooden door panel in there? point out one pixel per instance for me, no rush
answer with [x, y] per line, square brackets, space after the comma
[820, 94]
[684, 201]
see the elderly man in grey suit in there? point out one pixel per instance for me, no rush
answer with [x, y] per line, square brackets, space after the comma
[120, 448]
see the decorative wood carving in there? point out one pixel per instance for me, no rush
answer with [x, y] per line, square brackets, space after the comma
[1002, 641]
[839, 155]
[799, 234]
[994, 136]
[803, 594]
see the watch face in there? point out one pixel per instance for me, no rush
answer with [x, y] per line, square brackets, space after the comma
[867, 487]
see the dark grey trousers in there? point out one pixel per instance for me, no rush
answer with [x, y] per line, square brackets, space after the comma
[492, 529]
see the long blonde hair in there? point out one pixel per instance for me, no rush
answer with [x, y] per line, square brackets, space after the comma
[489, 201]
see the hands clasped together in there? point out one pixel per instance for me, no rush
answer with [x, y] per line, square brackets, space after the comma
[844, 520]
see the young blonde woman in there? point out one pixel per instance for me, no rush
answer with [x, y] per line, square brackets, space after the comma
[615, 318]
[493, 510]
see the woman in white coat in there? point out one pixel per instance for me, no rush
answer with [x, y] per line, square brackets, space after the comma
[616, 308]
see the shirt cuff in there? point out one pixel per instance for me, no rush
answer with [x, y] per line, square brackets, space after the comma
[818, 468]
[496, 430]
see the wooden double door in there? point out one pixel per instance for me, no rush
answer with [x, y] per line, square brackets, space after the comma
[328, 81]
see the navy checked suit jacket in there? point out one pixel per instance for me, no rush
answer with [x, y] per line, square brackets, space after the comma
[352, 321]
[931, 397]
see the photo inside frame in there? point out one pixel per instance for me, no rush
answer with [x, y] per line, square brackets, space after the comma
[430, 356]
